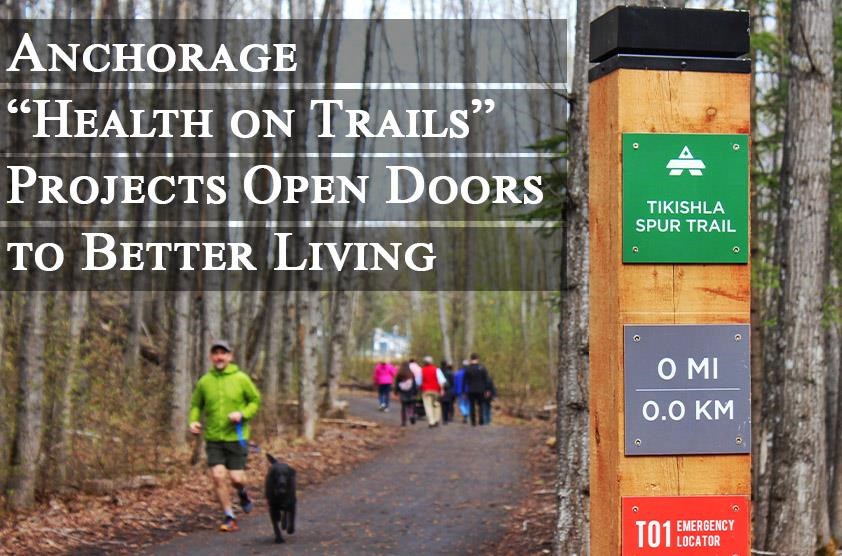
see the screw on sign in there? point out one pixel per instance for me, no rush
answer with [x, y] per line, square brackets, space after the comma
[685, 525]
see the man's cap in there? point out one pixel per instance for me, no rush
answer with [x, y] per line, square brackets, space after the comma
[221, 344]
[428, 359]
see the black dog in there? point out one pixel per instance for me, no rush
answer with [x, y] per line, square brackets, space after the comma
[280, 494]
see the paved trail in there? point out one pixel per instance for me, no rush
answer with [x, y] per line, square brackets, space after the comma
[436, 491]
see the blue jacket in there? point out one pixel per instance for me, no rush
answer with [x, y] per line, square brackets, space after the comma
[459, 382]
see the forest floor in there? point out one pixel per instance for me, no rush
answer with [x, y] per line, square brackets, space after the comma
[379, 490]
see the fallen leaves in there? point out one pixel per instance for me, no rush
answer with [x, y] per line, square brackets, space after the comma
[125, 516]
[529, 527]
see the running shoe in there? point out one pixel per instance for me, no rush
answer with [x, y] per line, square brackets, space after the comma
[229, 525]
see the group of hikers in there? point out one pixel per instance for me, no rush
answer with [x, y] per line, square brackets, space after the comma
[439, 388]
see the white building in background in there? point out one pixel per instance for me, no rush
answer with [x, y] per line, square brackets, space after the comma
[389, 344]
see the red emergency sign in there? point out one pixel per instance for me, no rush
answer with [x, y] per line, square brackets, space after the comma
[686, 525]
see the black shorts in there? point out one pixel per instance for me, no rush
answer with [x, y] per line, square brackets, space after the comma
[230, 454]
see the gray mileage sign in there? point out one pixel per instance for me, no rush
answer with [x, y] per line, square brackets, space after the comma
[687, 389]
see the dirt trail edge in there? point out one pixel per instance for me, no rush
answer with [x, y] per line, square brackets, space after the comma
[445, 490]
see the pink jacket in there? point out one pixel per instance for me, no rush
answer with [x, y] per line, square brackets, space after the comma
[384, 373]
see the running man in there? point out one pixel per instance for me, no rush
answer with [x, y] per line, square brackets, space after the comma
[229, 400]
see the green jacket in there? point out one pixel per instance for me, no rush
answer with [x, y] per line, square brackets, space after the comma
[219, 393]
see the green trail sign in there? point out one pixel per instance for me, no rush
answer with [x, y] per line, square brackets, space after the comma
[685, 198]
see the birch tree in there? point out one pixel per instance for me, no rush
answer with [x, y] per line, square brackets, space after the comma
[572, 525]
[309, 39]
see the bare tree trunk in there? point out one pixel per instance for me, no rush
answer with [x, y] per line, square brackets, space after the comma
[29, 425]
[10, 13]
[447, 350]
[145, 212]
[473, 167]
[308, 306]
[333, 12]
[59, 435]
[309, 39]
[769, 301]
[274, 349]
[137, 295]
[179, 365]
[424, 35]
[269, 322]
[416, 304]
[573, 524]
[184, 359]
[341, 309]
[798, 460]
[20, 490]
[340, 321]
[78, 312]
[5, 418]
[213, 317]
[214, 321]
[7, 14]
[270, 325]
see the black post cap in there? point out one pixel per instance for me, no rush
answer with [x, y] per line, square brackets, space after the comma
[669, 32]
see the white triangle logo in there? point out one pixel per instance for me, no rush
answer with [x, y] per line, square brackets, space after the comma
[685, 161]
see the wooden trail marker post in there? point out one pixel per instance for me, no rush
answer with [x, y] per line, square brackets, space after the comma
[670, 412]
